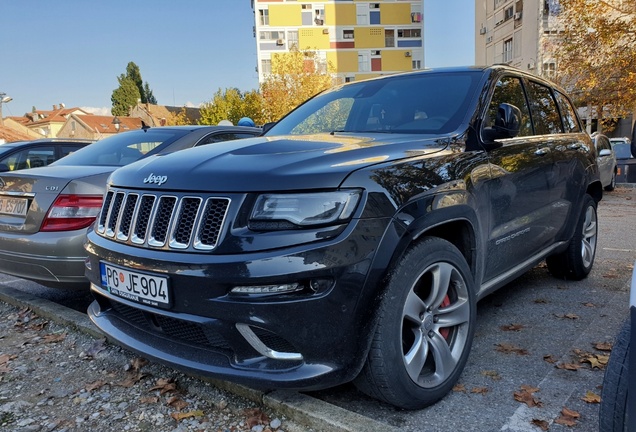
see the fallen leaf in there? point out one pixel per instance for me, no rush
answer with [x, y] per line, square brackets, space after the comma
[542, 424]
[177, 403]
[95, 385]
[178, 416]
[509, 348]
[526, 395]
[38, 326]
[255, 417]
[568, 366]
[53, 338]
[591, 397]
[149, 400]
[136, 364]
[479, 390]
[567, 417]
[165, 385]
[512, 327]
[588, 304]
[549, 358]
[132, 379]
[596, 361]
[492, 374]
[459, 388]
[540, 301]
[603, 346]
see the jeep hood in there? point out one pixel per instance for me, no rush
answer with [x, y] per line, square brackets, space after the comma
[272, 163]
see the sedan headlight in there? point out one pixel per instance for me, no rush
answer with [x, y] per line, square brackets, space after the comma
[303, 209]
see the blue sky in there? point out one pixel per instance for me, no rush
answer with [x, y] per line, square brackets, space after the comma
[72, 51]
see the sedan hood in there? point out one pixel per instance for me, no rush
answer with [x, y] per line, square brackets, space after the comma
[272, 163]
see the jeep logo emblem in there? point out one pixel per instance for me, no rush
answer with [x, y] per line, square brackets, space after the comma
[158, 180]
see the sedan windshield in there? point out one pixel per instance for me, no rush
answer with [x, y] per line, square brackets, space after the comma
[428, 103]
[123, 148]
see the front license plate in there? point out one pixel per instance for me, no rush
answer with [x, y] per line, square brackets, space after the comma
[136, 286]
[14, 206]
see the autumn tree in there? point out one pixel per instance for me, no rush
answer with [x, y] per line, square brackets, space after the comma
[131, 89]
[597, 55]
[295, 77]
[231, 104]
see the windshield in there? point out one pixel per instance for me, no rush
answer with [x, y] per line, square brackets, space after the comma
[124, 148]
[429, 103]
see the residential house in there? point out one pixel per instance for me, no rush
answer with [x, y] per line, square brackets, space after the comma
[47, 124]
[96, 127]
[161, 115]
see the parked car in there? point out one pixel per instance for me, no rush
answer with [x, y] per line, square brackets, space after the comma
[606, 160]
[44, 212]
[626, 164]
[37, 153]
[353, 240]
[618, 403]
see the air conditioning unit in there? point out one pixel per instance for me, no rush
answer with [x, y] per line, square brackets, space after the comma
[407, 54]
[325, 31]
[482, 31]
[489, 39]
[280, 42]
[518, 16]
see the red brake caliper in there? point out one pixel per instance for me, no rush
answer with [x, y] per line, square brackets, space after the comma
[445, 331]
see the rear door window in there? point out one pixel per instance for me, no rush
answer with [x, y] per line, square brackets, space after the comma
[543, 106]
[509, 90]
[570, 120]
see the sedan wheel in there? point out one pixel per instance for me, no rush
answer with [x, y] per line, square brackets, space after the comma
[425, 328]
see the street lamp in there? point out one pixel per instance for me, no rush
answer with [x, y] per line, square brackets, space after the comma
[117, 123]
[3, 99]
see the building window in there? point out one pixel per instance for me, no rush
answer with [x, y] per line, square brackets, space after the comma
[549, 69]
[507, 50]
[263, 16]
[292, 38]
[409, 33]
[508, 13]
[375, 53]
[374, 5]
[349, 79]
[266, 66]
[389, 38]
[416, 17]
[417, 64]
[319, 17]
[271, 35]
[347, 34]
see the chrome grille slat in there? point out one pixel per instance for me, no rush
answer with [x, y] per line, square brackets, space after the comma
[163, 221]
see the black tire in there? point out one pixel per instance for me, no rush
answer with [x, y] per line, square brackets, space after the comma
[610, 187]
[577, 260]
[424, 330]
[613, 410]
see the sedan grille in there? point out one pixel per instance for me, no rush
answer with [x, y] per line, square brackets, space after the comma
[163, 221]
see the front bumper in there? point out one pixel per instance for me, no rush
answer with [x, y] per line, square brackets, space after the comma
[49, 258]
[313, 339]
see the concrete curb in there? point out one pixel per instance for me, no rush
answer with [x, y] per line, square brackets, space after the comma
[300, 408]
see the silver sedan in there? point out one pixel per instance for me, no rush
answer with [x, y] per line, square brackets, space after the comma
[44, 212]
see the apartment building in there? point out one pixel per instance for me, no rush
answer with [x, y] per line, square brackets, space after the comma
[359, 39]
[520, 33]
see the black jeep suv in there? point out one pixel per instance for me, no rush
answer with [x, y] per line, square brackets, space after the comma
[351, 241]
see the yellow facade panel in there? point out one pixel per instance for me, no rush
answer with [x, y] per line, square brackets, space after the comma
[343, 61]
[313, 38]
[340, 14]
[364, 76]
[396, 60]
[281, 15]
[396, 13]
[369, 37]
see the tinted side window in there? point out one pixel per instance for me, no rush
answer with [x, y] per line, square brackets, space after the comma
[545, 113]
[509, 90]
[602, 143]
[570, 120]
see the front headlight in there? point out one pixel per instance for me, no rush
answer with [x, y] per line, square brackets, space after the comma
[303, 209]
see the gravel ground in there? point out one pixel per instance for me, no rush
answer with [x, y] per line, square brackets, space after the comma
[56, 379]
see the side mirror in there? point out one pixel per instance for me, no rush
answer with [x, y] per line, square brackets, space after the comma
[507, 124]
[605, 152]
[267, 127]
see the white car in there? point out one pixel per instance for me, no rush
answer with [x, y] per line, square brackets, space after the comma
[606, 161]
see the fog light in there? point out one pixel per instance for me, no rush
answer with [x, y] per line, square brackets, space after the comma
[267, 289]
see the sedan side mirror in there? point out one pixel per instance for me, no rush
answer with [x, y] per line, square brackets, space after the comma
[605, 152]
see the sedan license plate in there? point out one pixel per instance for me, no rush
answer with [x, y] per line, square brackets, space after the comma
[14, 206]
[132, 285]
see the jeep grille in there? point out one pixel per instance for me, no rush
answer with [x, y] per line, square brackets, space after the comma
[163, 221]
